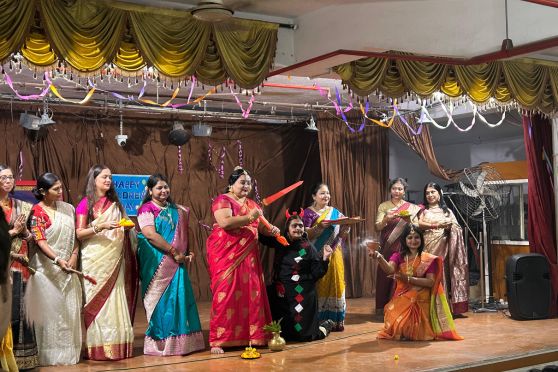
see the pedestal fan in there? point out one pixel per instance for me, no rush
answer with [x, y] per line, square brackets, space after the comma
[480, 194]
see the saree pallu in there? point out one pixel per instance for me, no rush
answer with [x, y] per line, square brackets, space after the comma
[59, 340]
[331, 288]
[451, 247]
[390, 243]
[239, 308]
[7, 359]
[109, 305]
[25, 345]
[419, 313]
[173, 322]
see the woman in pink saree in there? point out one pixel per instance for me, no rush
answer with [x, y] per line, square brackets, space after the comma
[391, 218]
[240, 307]
[107, 256]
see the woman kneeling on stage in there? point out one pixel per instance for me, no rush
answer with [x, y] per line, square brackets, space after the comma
[297, 267]
[418, 310]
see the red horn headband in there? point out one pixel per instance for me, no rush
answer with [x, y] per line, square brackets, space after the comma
[289, 215]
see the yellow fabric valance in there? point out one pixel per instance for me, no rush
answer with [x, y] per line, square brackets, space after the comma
[87, 35]
[533, 86]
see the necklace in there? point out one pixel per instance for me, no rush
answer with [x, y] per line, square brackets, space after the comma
[162, 206]
[5, 203]
[409, 268]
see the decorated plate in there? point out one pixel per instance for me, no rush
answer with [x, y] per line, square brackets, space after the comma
[345, 221]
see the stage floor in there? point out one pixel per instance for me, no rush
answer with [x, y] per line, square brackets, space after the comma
[492, 342]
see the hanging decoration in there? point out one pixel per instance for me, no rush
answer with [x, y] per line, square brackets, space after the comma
[180, 165]
[221, 170]
[245, 112]
[8, 81]
[378, 122]
[57, 94]
[240, 154]
[257, 192]
[20, 165]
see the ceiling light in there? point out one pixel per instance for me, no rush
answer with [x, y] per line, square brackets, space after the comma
[311, 125]
[211, 11]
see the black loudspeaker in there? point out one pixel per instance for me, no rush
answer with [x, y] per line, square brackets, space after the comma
[528, 286]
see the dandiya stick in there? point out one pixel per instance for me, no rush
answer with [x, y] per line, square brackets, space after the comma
[281, 239]
[90, 279]
[270, 199]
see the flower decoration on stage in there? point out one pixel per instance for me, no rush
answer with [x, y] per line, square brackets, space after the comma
[240, 154]
[300, 213]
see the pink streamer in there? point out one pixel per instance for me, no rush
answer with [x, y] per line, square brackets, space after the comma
[245, 113]
[222, 162]
[9, 82]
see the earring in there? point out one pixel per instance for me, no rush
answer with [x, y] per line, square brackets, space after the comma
[230, 188]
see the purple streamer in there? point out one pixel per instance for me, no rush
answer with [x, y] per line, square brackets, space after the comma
[222, 162]
[191, 88]
[256, 192]
[419, 130]
[180, 165]
[240, 154]
[20, 166]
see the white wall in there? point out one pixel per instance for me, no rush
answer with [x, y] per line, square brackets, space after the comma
[472, 150]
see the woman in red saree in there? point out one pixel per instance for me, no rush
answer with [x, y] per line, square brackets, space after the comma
[240, 308]
[418, 310]
[107, 256]
[390, 221]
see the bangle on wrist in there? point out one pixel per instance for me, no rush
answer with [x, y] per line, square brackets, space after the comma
[172, 252]
[96, 229]
[408, 279]
[56, 259]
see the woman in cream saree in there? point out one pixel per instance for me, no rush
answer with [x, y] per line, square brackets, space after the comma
[107, 256]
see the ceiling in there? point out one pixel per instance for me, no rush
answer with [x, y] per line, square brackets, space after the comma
[327, 33]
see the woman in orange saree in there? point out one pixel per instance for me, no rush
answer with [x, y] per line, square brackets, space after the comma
[391, 218]
[240, 308]
[418, 310]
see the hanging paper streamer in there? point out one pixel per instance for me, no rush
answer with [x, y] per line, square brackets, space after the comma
[257, 192]
[9, 82]
[180, 165]
[165, 104]
[210, 155]
[57, 94]
[411, 129]
[20, 165]
[245, 113]
[339, 109]
[240, 154]
[378, 122]
[221, 170]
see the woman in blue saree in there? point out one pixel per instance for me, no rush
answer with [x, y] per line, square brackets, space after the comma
[173, 322]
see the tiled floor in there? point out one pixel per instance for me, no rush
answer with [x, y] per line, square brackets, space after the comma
[489, 338]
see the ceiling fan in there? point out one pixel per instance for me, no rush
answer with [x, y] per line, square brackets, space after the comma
[216, 10]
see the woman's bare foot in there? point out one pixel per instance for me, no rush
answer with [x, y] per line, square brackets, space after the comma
[217, 350]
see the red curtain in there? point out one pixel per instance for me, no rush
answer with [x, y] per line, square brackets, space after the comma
[537, 134]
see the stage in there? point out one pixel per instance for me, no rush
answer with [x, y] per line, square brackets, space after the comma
[493, 342]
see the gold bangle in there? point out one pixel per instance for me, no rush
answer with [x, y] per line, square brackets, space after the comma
[408, 279]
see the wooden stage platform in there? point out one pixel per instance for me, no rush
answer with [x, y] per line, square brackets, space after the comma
[493, 342]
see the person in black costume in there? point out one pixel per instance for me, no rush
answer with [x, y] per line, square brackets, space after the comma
[292, 295]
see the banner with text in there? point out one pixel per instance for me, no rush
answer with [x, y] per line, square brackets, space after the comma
[130, 189]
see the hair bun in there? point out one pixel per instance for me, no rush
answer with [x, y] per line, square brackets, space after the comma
[238, 167]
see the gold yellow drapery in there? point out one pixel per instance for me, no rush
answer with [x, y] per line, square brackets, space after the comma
[88, 34]
[533, 86]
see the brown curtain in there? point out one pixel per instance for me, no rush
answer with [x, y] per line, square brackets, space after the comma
[355, 166]
[276, 156]
[422, 145]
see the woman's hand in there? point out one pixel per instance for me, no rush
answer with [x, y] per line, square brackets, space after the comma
[63, 265]
[108, 225]
[324, 225]
[327, 250]
[400, 276]
[72, 262]
[255, 214]
[19, 225]
[344, 231]
[274, 230]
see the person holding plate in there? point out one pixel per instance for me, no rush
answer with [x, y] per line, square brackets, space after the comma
[391, 218]
[444, 237]
[331, 288]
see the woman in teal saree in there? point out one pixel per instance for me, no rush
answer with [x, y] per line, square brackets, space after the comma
[173, 322]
